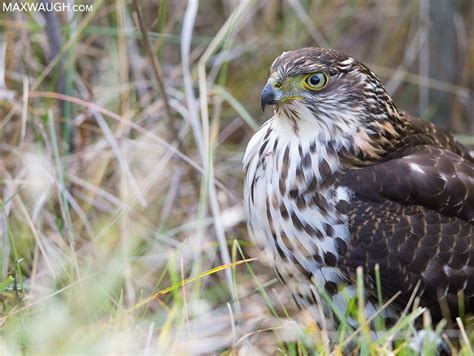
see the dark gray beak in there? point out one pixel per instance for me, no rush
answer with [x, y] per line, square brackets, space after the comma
[268, 96]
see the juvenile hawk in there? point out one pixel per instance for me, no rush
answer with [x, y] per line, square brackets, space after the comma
[340, 178]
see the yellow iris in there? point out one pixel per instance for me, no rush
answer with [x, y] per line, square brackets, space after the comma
[316, 81]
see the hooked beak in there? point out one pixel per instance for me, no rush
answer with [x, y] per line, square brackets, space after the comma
[270, 96]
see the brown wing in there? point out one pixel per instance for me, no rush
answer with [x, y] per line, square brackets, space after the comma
[414, 215]
[423, 132]
[432, 177]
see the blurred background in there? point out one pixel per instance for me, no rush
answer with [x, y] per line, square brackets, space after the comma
[123, 125]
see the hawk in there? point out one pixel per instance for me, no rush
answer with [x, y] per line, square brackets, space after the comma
[340, 178]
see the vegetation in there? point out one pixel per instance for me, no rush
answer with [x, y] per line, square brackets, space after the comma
[122, 132]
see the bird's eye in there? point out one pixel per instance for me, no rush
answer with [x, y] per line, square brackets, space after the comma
[316, 81]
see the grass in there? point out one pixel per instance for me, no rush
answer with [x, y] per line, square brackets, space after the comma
[122, 228]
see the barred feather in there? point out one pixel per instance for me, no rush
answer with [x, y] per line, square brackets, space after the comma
[339, 178]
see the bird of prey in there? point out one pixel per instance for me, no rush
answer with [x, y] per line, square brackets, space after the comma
[339, 178]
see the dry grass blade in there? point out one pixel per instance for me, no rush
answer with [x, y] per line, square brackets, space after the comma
[67, 46]
[154, 61]
[208, 167]
[465, 338]
[189, 280]
[319, 39]
[192, 104]
[158, 72]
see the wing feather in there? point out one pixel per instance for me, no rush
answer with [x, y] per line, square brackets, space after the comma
[432, 177]
[414, 216]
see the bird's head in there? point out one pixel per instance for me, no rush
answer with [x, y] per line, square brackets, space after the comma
[325, 86]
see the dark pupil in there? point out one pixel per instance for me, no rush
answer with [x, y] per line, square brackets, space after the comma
[315, 79]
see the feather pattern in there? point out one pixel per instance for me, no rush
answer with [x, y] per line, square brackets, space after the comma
[339, 178]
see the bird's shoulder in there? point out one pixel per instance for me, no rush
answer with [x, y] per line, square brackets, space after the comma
[423, 132]
[431, 176]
